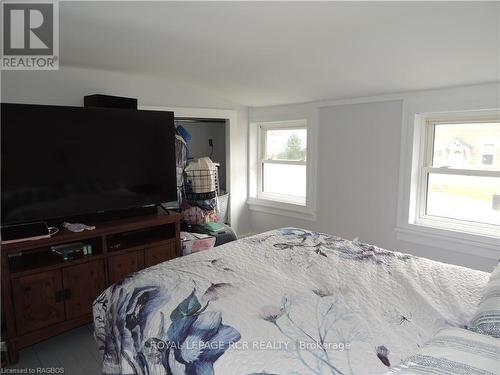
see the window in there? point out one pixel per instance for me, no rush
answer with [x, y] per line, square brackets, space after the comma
[459, 183]
[282, 162]
[282, 170]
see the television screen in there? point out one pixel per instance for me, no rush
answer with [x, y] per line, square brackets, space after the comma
[60, 161]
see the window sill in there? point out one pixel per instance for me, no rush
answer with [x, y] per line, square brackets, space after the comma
[281, 208]
[458, 241]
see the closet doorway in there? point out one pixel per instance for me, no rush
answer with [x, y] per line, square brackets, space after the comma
[235, 158]
[208, 139]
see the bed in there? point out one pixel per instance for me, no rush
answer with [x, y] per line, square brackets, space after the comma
[288, 301]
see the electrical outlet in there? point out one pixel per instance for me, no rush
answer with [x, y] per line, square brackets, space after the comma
[211, 142]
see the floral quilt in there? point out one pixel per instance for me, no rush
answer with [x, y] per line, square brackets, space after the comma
[288, 301]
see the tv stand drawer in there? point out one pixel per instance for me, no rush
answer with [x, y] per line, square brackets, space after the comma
[122, 265]
[159, 254]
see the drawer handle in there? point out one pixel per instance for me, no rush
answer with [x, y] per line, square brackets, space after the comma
[67, 294]
[62, 295]
[58, 295]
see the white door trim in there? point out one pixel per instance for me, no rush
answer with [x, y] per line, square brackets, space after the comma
[231, 118]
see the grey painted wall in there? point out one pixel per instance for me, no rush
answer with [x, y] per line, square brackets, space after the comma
[357, 182]
[358, 153]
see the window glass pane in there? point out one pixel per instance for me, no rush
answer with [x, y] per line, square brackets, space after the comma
[471, 198]
[467, 146]
[285, 179]
[286, 144]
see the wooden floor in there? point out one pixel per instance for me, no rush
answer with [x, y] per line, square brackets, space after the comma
[74, 350]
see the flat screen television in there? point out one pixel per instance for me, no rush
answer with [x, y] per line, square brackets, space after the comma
[59, 161]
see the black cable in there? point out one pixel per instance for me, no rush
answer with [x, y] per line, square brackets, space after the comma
[163, 208]
[211, 144]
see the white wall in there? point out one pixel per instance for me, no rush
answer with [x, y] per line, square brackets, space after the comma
[358, 150]
[69, 85]
[358, 175]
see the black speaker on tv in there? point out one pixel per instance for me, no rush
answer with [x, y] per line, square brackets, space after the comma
[109, 101]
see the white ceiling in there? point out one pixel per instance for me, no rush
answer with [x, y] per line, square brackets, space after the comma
[257, 53]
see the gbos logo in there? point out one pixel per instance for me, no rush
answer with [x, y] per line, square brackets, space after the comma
[30, 35]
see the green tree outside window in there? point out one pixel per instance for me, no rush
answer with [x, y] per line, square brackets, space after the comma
[293, 149]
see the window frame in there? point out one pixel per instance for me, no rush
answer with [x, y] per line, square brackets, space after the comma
[262, 160]
[483, 152]
[425, 168]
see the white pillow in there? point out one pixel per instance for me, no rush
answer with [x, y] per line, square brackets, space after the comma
[454, 351]
[487, 318]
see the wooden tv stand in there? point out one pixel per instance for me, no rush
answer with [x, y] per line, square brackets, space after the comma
[44, 295]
